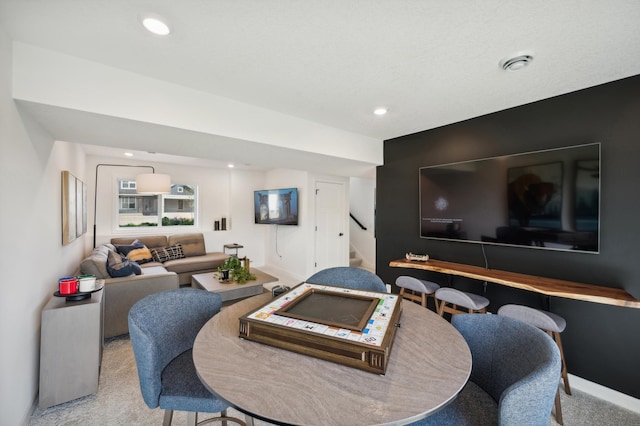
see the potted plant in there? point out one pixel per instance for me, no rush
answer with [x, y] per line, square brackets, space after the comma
[237, 272]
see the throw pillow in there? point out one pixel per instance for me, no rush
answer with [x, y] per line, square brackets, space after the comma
[96, 262]
[167, 253]
[119, 266]
[136, 251]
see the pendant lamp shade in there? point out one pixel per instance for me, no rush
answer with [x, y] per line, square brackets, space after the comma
[153, 183]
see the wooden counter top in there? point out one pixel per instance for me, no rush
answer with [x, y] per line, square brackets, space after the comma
[548, 286]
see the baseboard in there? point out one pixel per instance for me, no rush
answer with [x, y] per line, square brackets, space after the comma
[368, 266]
[605, 393]
[34, 407]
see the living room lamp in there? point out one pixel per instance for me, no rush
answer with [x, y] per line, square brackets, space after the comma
[146, 184]
[153, 183]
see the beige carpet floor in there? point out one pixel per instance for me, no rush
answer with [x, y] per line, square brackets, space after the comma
[119, 402]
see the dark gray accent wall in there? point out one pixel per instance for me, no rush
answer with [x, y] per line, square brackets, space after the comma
[602, 342]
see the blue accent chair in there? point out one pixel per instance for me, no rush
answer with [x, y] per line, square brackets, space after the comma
[346, 276]
[163, 327]
[514, 375]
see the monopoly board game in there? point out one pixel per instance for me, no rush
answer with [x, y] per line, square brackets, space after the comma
[347, 326]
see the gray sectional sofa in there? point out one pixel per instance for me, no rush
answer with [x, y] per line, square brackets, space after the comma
[121, 293]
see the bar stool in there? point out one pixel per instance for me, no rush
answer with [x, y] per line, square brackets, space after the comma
[417, 290]
[553, 324]
[456, 298]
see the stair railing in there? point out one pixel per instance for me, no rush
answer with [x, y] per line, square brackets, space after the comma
[357, 221]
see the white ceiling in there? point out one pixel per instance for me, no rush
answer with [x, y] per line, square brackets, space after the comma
[431, 63]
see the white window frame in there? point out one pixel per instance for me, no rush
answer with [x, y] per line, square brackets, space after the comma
[126, 184]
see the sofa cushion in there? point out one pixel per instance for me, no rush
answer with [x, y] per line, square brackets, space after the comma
[96, 263]
[153, 241]
[119, 266]
[192, 244]
[136, 251]
[154, 270]
[152, 264]
[208, 262]
[167, 253]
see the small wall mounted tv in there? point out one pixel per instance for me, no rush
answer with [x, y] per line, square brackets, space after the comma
[544, 199]
[276, 206]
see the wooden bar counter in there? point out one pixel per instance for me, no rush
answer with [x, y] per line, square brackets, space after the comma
[547, 286]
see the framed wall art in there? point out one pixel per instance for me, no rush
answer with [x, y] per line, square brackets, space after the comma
[74, 207]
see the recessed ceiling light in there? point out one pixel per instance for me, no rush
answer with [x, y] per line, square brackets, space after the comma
[128, 154]
[516, 62]
[231, 166]
[156, 25]
[380, 111]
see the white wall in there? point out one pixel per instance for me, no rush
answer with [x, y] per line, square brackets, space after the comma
[52, 78]
[291, 249]
[286, 247]
[32, 255]
[362, 205]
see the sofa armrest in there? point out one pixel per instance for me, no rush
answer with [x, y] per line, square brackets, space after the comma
[121, 294]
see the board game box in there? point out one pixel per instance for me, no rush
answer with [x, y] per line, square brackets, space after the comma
[343, 325]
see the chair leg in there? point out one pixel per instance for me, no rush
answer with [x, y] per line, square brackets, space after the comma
[224, 418]
[565, 375]
[558, 413]
[168, 416]
[223, 414]
[192, 418]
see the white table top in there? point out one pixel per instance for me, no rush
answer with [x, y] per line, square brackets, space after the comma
[430, 363]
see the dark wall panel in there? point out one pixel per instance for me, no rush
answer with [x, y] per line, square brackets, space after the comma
[602, 343]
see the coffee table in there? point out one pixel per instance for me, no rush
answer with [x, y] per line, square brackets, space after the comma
[231, 291]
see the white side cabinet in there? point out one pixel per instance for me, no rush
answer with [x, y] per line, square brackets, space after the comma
[71, 342]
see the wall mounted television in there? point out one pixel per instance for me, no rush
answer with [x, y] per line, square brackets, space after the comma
[276, 206]
[546, 199]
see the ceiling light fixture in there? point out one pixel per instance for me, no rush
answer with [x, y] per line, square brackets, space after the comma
[516, 62]
[156, 25]
[380, 111]
[128, 154]
[231, 166]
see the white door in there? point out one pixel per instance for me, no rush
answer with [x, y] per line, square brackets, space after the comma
[330, 239]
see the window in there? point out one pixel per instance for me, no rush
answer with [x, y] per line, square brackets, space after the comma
[127, 184]
[175, 209]
[127, 203]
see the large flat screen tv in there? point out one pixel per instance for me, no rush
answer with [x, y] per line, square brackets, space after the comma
[276, 206]
[544, 199]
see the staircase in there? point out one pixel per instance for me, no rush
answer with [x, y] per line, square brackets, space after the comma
[354, 261]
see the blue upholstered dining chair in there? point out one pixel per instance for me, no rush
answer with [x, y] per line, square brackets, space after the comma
[163, 327]
[514, 375]
[346, 276]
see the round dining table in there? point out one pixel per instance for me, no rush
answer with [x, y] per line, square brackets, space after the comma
[429, 364]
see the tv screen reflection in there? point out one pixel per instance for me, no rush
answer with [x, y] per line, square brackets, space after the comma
[544, 199]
